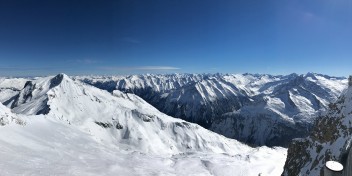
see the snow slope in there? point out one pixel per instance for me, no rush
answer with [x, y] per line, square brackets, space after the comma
[47, 146]
[7, 117]
[236, 105]
[120, 117]
[75, 129]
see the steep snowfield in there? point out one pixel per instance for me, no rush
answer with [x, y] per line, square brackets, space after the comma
[76, 129]
[49, 147]
[330, 139]
[120, 117]
[236, 105]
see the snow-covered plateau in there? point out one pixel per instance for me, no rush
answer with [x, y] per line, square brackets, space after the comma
[60, 126]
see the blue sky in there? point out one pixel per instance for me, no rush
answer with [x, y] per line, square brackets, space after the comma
[83, 37]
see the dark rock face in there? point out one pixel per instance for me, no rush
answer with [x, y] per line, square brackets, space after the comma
[24, 95]
[11, 101]
[203, 114]
[330, 139]
[108, 86]
[259, 130]
[191, 107]
[56, 80]
[45, 108]
[115, 124]
[104, 125]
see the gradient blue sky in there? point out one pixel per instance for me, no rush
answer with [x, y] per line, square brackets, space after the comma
[41, 37]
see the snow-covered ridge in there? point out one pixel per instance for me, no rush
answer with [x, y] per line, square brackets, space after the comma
[225, 102]
[120, 117]
[76, 129]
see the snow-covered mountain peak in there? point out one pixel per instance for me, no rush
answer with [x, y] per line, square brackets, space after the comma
[57, 80]
[85, 130]
[33, 98]
[117, 117]
[311, 75]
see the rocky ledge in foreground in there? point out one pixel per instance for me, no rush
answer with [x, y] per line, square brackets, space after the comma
[330, 139]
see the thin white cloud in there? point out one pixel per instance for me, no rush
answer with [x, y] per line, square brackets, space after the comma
[145, 68]
[83, 61]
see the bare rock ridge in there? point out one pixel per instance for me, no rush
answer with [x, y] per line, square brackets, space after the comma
[24, 95]
[57, 80]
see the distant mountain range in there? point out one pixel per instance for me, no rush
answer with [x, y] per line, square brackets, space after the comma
[62, 126]
[257, 109]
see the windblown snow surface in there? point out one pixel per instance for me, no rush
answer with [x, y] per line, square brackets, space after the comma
[58, 126]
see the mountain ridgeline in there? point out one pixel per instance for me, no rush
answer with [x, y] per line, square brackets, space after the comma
[114, 117]
[330, 139]
[253, 108]
[62, 126]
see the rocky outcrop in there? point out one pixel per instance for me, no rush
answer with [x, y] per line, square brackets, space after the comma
[24, 95]
[330, 139]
